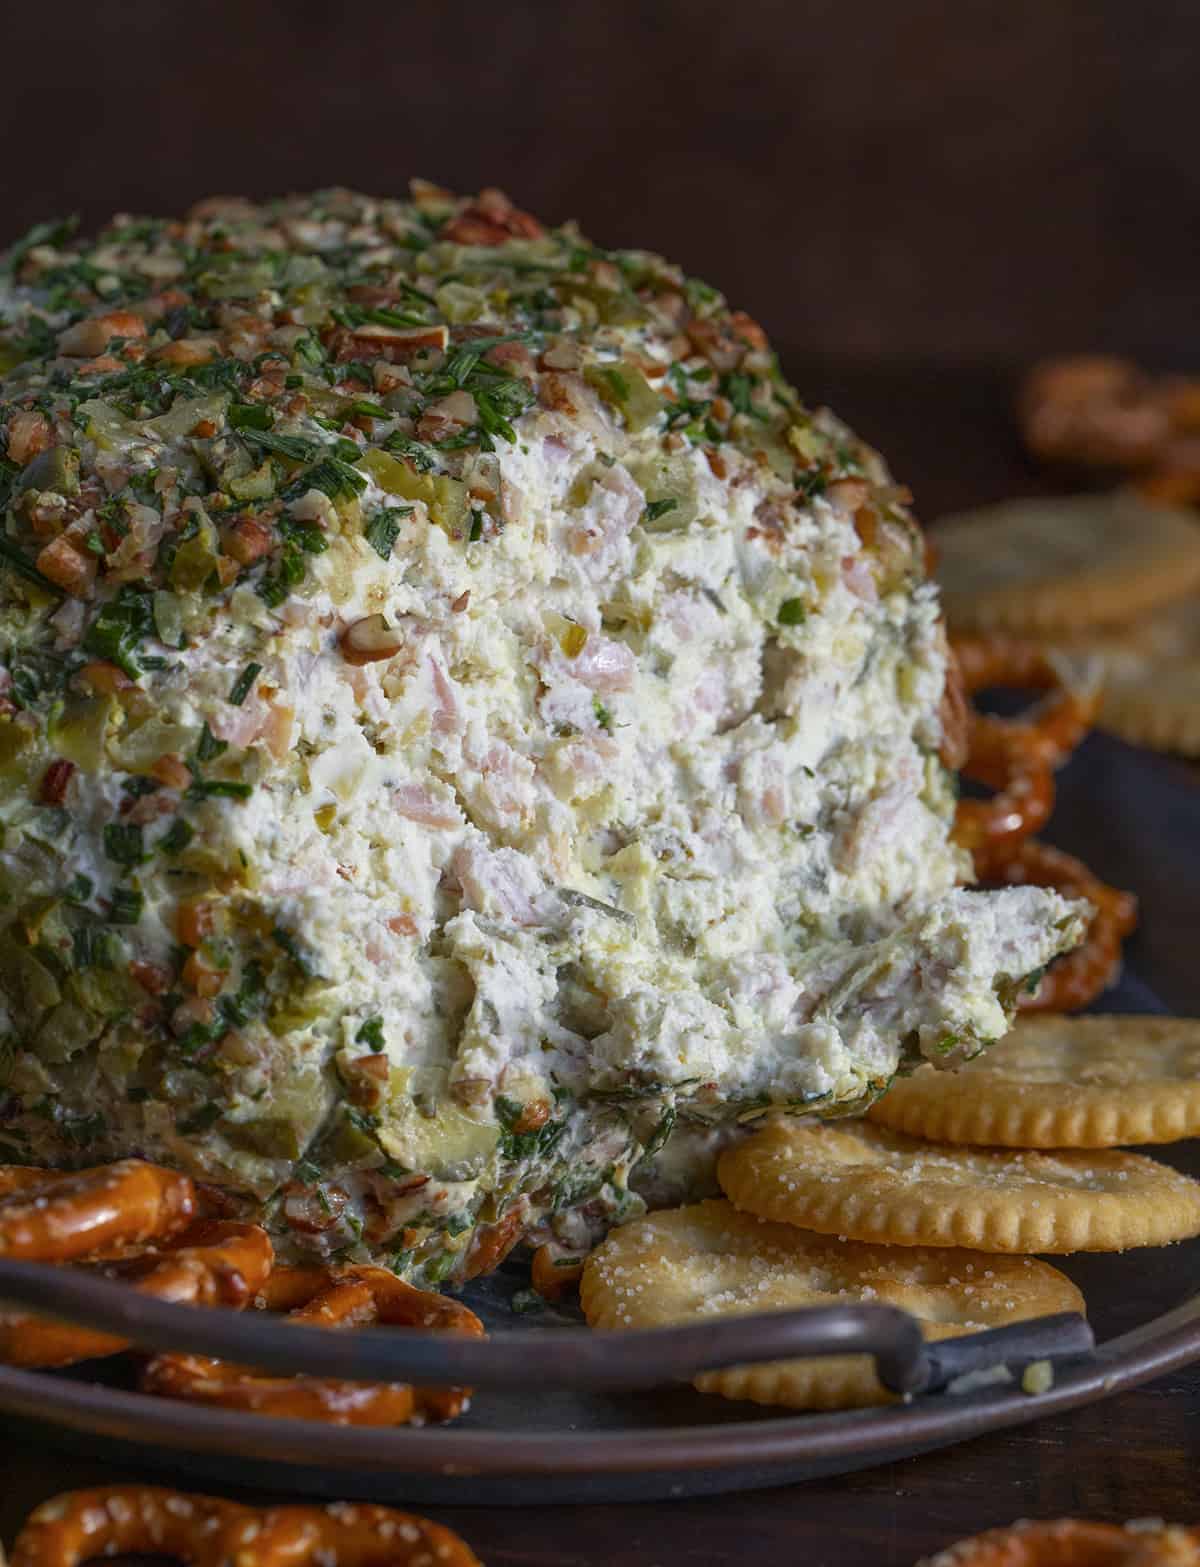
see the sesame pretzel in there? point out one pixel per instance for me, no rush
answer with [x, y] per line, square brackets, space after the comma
[214, 1263]
[1021, 805]
[1073, 1542]
[1047, 735]
[60, 1216]
[332, 1298]
[202, 1531]
[1015, 757]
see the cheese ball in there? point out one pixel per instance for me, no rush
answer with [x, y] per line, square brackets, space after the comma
[468, 733]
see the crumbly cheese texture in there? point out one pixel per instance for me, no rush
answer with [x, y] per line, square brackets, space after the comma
[467, 731]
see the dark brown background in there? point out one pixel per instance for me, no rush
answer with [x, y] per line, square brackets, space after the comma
[946, 179]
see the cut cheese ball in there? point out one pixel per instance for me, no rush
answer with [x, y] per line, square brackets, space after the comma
[467, 731]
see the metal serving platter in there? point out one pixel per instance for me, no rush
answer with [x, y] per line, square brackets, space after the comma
[562, 1415]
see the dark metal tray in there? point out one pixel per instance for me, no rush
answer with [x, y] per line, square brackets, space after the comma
[566, 1416]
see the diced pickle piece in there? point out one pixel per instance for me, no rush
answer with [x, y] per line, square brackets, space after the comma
[446, 498]
[627, 389]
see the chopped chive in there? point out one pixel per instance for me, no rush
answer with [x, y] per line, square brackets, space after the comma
[78, 889]
[243, 683]
[295, 447]
[219, 789]
[371, 1033]
[176, 838]
[383, 529]
[250, 416]
[127, 906]
[285, 940]
[123, 843]
[793, 612]
[656, 509]
[208, 747]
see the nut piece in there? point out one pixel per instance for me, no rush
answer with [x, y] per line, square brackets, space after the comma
[371, 639]
[87, 338]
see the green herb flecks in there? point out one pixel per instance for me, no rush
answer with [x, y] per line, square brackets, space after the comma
[297, 448]
[371, 1033]
[333, 477]
[287, 942]
[52, 232]
[383, 529]
[662, 1131]
[656, 509]
[242, 685]
[123, 843]
[519, 1146]
[176, 838]
[208, 747]
[120, 628]
[218, 789]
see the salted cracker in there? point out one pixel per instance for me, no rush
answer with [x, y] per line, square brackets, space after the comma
[866, 1182]
[1151, 677]
[1061, 564]
[710, 1260]
[1060, 1082]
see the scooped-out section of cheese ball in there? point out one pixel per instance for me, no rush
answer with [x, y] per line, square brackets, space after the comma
[468, 733]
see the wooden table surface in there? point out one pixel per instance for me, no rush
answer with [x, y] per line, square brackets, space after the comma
[948, 436]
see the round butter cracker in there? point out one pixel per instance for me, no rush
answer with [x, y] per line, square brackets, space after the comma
[1064, 564]
[710, 1260]
[1060, 1082]
[856, 1179]
[1151, 678]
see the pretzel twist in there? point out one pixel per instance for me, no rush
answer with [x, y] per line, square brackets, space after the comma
[202, 1531]
[1051, 731]
[330, 1298]
[1016, 759]
[215, 1263]
[59, 1216]
[1074, 1542]
[1020, 806]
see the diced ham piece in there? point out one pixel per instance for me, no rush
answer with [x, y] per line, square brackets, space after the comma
[447, 714]
[418, 806]
[500, 882]
[604, 665]
[859, 578]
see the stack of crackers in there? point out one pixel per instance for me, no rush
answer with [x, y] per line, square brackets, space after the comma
[932, 1203]
[1115, 576]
